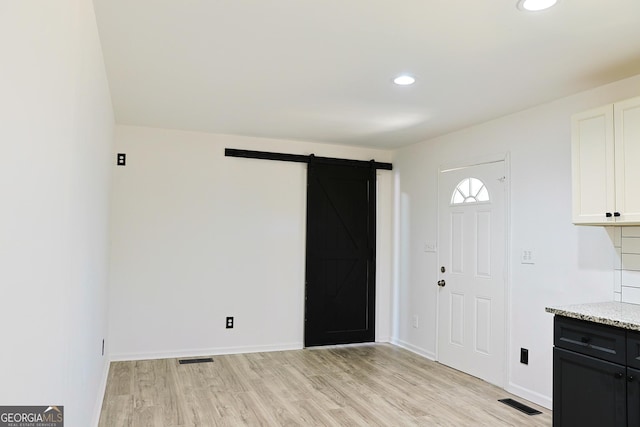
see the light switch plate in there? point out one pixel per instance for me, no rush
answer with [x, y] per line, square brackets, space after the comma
[430, 246]
[527, 256]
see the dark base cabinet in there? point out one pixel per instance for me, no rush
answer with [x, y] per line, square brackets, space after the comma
[595, 377]
[587, 391]
[633, 397]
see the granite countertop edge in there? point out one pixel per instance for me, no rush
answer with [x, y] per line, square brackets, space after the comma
[620, 315]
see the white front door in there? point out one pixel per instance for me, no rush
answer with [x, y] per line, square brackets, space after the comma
[471, 294]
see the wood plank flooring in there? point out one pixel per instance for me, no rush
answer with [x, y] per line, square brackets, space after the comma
[366, 385]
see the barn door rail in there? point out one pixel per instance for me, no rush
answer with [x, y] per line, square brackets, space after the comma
[299, 158]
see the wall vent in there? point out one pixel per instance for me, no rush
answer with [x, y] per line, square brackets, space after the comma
[520, 406]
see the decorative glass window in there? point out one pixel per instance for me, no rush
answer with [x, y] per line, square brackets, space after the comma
[470, 190]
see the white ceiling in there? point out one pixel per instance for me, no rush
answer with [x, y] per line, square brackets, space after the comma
[321, 70]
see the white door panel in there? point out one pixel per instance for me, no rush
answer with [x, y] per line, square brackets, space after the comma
[483, 325]
[457, 242]
[457, 319]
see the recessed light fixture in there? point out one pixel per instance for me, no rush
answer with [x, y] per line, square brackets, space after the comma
[404, 80]
[535, 5]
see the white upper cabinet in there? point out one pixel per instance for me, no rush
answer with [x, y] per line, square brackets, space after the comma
[626, 118]
[605, 148]
[593, 180]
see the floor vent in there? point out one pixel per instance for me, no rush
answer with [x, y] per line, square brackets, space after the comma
[520, 407]
[190, 361]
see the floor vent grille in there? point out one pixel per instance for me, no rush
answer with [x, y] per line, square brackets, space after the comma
[190, 361]
[520, 407]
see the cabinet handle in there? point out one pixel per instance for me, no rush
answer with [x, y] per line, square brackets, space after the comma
[608, 215]
[630, 378]
[616, 214]
[618, 375]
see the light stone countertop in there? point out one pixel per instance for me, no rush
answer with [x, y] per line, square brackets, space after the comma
[619, 314]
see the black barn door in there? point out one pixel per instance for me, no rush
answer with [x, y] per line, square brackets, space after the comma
[340, 267]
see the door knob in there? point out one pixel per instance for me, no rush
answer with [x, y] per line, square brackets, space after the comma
[441, 283]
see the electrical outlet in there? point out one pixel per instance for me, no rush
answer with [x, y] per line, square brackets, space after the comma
[524, 356]
[229, 322]
[122, 159]
[415, 322]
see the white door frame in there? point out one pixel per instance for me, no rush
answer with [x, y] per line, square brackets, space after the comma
[507, 245]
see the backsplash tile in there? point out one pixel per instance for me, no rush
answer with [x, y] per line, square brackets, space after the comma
[630, 294]
[630, 231]
[631, 245]
[626, 284]
[617, 281]
[631, 261]
[616, 236]
[630, 278]
[617, 260]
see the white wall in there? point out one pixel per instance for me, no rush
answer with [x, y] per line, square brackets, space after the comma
[197, 236]
[574, 264]
[56, 135]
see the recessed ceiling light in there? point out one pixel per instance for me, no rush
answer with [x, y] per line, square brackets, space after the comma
[535, 5]
[404, 80]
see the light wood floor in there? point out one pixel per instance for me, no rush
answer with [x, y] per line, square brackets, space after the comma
[372, 385]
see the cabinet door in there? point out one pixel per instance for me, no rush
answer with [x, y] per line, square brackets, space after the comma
[633, 397]
[587, 391]
[592, 165]
[627, 149]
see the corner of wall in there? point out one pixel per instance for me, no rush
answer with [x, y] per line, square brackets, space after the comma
[102, 388]
[414, 349]
[532, 396]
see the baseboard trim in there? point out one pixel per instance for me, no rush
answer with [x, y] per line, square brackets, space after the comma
[121, 357]
[530, 395]
[414, 349]
[102, 389]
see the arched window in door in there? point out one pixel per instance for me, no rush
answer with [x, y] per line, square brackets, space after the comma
[470, 190]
